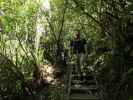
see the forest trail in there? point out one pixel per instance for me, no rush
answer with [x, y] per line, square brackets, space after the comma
[83, 87]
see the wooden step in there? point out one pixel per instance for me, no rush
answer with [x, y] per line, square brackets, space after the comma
[87, 77]
[77, 82]
[88, 82]
[84, 89]
[74, 72]
[91, 87]
[83, 97]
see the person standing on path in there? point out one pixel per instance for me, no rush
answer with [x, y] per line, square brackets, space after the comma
[79, 49]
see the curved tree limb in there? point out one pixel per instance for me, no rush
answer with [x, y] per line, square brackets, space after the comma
[87, 14]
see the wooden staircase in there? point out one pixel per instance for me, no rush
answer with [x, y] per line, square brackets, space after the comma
[83, 87]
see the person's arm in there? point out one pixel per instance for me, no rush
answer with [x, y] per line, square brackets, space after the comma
[71, 48]
[85, 46]
[86, 51]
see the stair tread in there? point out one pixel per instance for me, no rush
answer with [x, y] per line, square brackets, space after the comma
[76, 74]
[78, 80]
[84, 87]
[83, 97]
[79, 76]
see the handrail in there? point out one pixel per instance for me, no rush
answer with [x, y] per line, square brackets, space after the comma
[69, 81]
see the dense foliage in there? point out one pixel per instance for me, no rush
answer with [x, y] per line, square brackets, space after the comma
[36, 33]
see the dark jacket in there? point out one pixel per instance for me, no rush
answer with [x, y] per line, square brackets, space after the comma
[78, 45]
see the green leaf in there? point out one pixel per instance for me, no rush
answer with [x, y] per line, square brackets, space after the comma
[130, 71]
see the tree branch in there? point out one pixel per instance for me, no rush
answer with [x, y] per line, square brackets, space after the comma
[63, 20]
[52, 29]
[87, 14]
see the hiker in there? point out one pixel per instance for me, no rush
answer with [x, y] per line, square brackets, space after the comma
[78, 48]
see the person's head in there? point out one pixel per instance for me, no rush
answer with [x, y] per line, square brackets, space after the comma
[77, 34]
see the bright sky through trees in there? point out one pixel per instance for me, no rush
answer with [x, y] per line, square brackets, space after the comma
[39, 28]
[46, 5]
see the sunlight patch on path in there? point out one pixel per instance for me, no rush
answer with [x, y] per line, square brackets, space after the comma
[47, 72]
